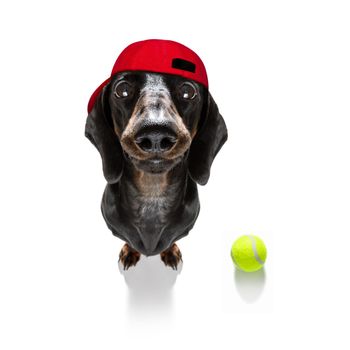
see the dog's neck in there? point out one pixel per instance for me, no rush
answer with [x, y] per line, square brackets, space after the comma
[151, 185]
[147, 186]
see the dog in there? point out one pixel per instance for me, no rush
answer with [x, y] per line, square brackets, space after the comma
[157, 134]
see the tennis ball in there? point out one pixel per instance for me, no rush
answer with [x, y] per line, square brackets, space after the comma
[248, 253]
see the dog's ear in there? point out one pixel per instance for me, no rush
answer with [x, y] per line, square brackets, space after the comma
[211, 135]
[99, 130]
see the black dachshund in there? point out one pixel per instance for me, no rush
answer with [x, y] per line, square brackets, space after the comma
[158, 135]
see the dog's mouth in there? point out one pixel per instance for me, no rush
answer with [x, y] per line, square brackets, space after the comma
[154, 165]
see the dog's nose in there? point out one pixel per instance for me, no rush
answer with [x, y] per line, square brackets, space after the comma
[155, 138]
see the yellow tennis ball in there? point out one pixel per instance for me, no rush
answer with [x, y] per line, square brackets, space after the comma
[248, 253]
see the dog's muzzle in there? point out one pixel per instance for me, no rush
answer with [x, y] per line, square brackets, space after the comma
[154, 141]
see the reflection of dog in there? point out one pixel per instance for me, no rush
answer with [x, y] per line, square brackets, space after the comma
[158, 134]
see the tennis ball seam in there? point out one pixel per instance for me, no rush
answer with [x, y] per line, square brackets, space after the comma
[255, 251]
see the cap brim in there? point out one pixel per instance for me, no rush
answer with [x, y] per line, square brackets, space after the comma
[96, 94]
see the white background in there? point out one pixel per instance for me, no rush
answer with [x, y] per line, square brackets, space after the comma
[279, 71]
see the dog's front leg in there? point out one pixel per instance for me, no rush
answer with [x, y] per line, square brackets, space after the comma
[128, 256]
[172, 256]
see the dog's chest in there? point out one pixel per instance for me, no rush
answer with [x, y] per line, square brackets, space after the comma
[151, 208]
[154, 200]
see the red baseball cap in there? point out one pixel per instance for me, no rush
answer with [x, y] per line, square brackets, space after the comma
[159, 56]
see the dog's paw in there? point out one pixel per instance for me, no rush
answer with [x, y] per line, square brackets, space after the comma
[172, 256]
[128, 256]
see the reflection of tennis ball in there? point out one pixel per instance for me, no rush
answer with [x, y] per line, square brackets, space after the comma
[248, 253]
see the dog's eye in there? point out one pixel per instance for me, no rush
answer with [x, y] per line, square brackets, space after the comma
[187, 91]
[123, 89]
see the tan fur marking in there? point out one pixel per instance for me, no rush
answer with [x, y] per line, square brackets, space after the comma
[151, 185]
[193, 132]
[117, 131]
[172, 256]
